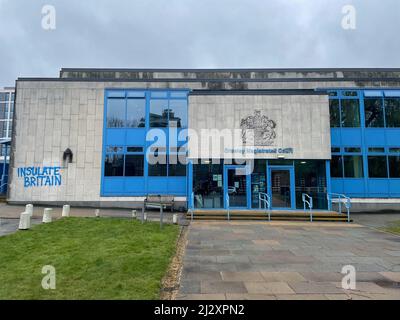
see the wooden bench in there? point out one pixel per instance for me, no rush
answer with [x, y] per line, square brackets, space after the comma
[159, 202]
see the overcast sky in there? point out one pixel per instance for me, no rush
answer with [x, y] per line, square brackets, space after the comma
[195, 34]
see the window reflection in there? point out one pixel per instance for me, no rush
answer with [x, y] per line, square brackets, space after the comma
[353, 167]
[159, 113]
[208, 185]
[136, 113]
[350, 113]
[334, 112]
[178, 113]
[336, 167]
[392, 107]
[394, 166]
[373, 113]
[311, 179]
[114, 165]
[115, 113]
[377, 167]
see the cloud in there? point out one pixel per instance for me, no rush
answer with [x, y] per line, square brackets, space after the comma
[195, 34]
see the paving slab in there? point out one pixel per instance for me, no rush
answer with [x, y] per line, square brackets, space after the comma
[288, 260]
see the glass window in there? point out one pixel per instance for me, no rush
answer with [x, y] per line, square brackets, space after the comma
[392, 107]
[353, 167]
[157, 170]
[373, 113]
[336, 167]
[376, 150]
[310, 176]
[335, 150]
[350, 113]
[332, 93]
[115, 113]
[114, 165]
[377, 167]
[208, 185]
[334, 113]
[134, 149]
[113, 149]
[159, 113]
[394, 166]
[136, 113]
[178, 113]
[352, 149]
[134, 165]
[394, 150]
[3, 111]
[3, 96]
[350, 93]
[177, 170]
[177, 164]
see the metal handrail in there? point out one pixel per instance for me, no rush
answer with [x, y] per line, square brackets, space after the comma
[191, 205]
[227, 207]
[341, 199]
[266, 199]
[308, 202]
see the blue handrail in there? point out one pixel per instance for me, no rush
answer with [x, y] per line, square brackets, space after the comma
[191, 205]
[340, 198]
[266, 200]
[307, 200]
[227, 207]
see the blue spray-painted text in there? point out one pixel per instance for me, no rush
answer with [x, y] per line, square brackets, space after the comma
[40, 176]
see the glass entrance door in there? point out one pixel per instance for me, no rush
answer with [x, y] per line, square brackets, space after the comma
[281, 188]
[236, 189]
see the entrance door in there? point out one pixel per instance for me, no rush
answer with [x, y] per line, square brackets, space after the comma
[236, 188]
[282, 188]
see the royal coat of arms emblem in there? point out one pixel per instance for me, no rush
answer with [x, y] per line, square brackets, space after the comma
[258, 130]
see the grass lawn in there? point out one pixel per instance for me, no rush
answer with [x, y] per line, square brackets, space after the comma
[393, 227]
[94, 258]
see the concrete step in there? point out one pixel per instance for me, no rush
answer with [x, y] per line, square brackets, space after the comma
[262, 216]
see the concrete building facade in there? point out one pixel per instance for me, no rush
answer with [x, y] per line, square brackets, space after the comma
[84, 138]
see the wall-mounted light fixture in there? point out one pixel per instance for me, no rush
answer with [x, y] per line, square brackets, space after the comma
[67, 157]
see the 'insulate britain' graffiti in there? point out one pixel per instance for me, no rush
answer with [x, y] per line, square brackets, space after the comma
[40, 176]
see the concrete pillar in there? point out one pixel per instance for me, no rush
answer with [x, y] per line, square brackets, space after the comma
[145, 216]
[24, 221]
[134, 214]
[175, 219]
[47, 215]
[65, 211]
[97, 213]
[29, 209]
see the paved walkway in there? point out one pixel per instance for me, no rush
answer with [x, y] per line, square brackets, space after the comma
[288, 260]
[8, 226]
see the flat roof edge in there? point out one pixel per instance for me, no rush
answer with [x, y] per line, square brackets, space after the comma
[258, 92]
[213, 80]
[225, 69]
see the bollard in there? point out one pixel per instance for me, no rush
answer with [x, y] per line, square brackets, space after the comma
[29, 209]
[145, 216]
[97, 213]
[175, 219]
[24, 221]
[65, 211]
[47, 215]
[134, 214]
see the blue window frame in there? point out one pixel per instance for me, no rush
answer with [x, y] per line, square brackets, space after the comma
[127, 122]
